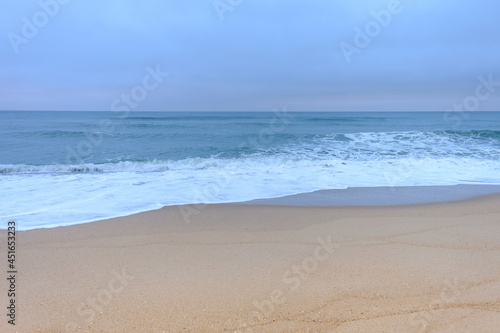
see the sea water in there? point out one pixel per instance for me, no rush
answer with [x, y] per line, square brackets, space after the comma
[63, 168]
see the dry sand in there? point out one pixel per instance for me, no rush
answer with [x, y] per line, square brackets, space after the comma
[237, 268]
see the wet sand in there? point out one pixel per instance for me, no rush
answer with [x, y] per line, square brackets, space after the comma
[262, 268]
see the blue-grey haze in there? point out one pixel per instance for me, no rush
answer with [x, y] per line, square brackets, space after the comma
[265, 54]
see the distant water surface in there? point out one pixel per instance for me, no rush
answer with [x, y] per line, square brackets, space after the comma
[61, 168]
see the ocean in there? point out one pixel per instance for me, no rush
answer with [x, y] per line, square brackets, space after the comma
[63, 168]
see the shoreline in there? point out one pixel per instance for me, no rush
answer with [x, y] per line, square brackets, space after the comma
[352, 196]
[381, 196]
[261, 268]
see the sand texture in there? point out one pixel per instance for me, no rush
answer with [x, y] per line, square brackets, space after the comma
[243, 268]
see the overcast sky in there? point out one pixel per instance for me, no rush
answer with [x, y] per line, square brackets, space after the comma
[232, 55]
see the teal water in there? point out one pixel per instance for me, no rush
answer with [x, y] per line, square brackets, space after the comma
[83, 166]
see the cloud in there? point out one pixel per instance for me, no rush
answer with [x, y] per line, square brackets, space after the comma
[264, 54]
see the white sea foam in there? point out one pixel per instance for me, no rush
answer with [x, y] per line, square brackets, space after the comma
[52, 197]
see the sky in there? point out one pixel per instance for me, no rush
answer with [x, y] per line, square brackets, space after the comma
[250, 55]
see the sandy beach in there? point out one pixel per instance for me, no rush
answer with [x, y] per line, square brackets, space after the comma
[255, 268]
